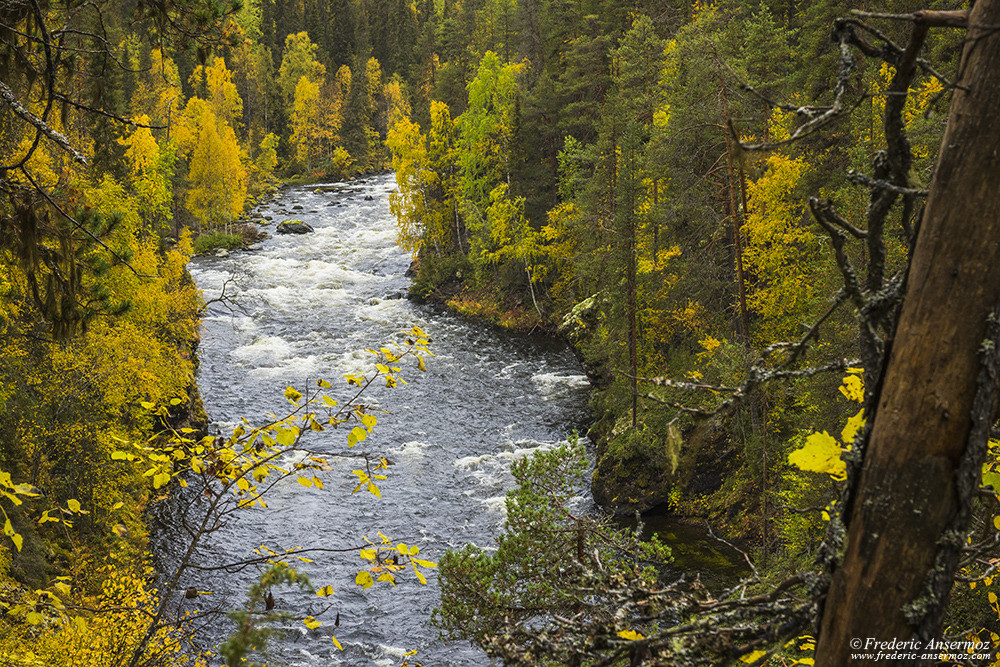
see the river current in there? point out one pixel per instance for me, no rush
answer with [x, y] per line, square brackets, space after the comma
[306, 307]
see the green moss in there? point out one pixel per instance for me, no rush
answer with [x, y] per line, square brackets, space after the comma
[206, 243]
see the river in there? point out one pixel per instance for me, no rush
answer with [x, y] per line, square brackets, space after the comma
[306, 308]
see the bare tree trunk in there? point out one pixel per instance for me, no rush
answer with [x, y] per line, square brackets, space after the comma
[736, 222]
[907, 515]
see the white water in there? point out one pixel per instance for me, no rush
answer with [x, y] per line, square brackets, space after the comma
[310, 305]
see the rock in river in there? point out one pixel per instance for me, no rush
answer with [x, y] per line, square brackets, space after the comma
[294, 227]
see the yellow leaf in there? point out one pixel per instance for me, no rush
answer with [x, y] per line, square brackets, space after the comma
[368, 554]
[751, 658]
[357, 434]
[286, 436]
[992, 597]
[420, 576]
[305, 481]
[311, 622]
[374, 490]
[336, 643]
[364, 579]
[325, 591]
[161, 479]
[292, 394]
[420, 363]
[630, 634]
[73, 504]
[853, 388]
[243, 484]
[317, 482]
[821, 453]
[852, 427]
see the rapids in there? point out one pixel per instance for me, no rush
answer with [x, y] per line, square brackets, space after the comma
[306, 307]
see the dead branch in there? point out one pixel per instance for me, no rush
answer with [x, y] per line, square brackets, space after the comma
[40, 125]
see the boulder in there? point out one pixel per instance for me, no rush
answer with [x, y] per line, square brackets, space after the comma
[221, 252]
[294, 227]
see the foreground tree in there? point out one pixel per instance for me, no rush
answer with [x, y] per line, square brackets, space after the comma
[929, 334]
[907, 509]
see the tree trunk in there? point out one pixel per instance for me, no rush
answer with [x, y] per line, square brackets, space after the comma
[906, 500]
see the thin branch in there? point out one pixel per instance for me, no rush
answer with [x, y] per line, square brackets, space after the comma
[753, 567]
[878, 184]
[817, 122]
[107, 114]
[80, 226]
[822, 211]
[955, 18]
[40, 125]
[800, 347]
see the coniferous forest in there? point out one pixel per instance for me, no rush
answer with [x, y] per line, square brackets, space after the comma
[769, 232]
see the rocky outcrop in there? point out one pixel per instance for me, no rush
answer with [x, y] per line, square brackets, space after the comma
[645, 469]
[576, 328]
[294, 227]
[632, 475]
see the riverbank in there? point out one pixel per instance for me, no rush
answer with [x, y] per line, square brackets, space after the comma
[75, 573]
[686, 470]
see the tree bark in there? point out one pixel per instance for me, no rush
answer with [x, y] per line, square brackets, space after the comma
[906, 496]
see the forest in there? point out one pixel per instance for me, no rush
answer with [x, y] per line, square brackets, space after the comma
[767, 231]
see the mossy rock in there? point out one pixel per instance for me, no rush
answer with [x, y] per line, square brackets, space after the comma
[631, 475]
[294, 227]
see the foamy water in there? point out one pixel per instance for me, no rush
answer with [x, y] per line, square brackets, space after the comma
[307, 307]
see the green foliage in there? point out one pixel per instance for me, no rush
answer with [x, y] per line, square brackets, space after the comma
[298, 61]
[255, 622]
[206, 243]
[537, 566]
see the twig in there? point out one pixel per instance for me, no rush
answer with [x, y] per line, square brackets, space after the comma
[745, 555]
[79, 225]
[878, 184]
[40, 125]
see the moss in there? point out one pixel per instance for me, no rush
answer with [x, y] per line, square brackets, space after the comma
[206, 243]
